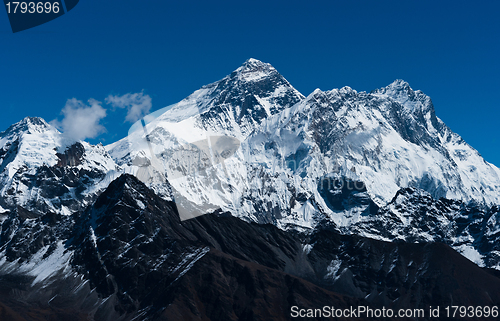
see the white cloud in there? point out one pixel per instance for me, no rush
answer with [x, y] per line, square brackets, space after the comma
[137, 105]
[81, 121]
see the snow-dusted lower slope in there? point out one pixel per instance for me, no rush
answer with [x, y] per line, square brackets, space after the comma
[129, 256]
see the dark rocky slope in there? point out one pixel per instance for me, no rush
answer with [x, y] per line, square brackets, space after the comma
[133, 258]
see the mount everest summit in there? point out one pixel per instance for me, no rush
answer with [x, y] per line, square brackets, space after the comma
[388, 139]
[378, 166]
[299, 154]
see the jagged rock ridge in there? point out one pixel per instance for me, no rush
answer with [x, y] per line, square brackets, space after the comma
[129, 256]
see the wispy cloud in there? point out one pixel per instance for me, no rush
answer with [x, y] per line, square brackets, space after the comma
[81, 121]
[137, 105]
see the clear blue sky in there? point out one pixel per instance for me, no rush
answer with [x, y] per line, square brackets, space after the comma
[448, 49]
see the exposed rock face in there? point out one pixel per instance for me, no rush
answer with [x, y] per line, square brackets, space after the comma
[72, 156]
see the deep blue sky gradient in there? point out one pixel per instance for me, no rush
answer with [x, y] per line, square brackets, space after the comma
[448, 49]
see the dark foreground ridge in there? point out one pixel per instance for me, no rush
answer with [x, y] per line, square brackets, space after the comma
[130, 257]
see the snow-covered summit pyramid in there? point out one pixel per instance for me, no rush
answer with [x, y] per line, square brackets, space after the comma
[237, 103]
[242, 99]
[233, 106]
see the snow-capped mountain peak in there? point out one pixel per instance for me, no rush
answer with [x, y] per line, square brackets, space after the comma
[41, 172]
[412, 100]
[398, 87]
[236, 103]
[29, 125]
[254, 70]
[30, 142]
